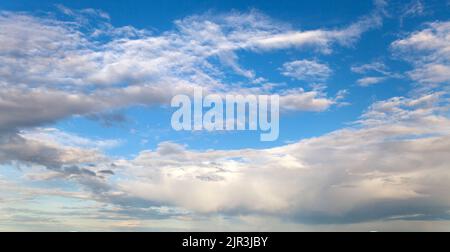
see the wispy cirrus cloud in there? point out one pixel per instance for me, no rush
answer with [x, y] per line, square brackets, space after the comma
[376, 72]
[368, 81]
[414, 9]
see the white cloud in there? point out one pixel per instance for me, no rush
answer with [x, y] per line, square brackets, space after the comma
[413, 9]
[432, 73]
[307, 70]
[322, 39]
[429, 52]
[368, 81]
[83, 65]
[376, 67]
[391, 165]
[298, 99]
[58, 137]
[395, 156]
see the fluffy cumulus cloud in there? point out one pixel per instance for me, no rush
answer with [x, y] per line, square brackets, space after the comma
[429, 51]
[332, 178]
[314, 100]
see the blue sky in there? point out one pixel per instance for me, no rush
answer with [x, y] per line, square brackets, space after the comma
[85, 118]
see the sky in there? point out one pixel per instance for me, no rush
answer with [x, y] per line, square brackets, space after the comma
[86, 142]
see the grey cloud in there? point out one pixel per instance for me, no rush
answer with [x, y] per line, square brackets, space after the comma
[74, 170]
[211, 178]
[22, 108]
[107, 172]
[108, 119]
[169, 148]
[28, 108]
[62, 161]
[384, 210]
